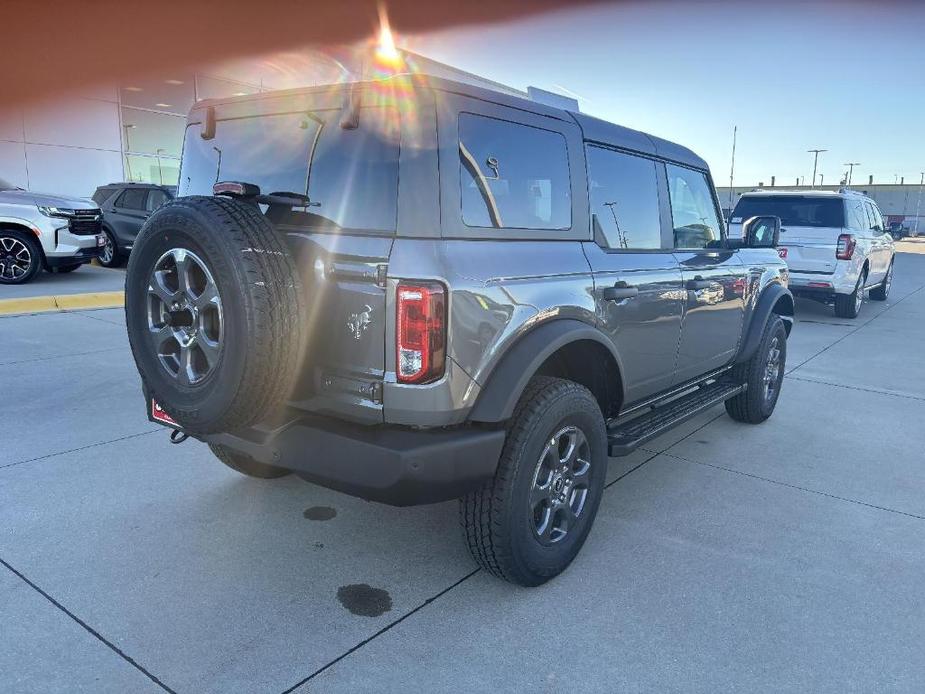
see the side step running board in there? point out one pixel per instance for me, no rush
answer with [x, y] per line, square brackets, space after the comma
[624, 438]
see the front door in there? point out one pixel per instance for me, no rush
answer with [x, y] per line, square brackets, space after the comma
[637, 281]
[714, 278]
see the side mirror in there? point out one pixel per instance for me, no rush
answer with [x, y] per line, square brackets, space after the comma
[761, 232]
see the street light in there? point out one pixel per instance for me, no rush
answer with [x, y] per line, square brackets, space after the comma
[157, 155]
[851, 165]
[128, 161]
[815, 153]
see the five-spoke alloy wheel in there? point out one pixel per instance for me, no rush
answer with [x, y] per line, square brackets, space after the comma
[185, 316]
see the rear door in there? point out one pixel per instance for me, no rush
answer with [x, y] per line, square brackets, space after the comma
[343, 154]
[714, 278]
[637, 279]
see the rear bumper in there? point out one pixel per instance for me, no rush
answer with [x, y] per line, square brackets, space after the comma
[392, 465]
[841, 281]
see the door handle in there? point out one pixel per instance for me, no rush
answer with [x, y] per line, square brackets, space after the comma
[620, 290]
[698, 283]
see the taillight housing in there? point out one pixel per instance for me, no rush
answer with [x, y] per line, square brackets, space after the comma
[845, 248]
[420, 332]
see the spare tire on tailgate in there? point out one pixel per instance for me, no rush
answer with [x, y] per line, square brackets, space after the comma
[214, 310]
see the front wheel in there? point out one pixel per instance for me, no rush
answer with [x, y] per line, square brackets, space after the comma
[20, 257]
[528, 524]
[110, 255]
[763, 376]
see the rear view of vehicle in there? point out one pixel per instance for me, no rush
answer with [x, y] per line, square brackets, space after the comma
[835, 244]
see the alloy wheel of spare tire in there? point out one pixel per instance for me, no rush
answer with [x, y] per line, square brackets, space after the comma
[214, 312]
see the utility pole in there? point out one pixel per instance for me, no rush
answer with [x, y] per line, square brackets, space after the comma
[851, 165]
[815, 153]
[732, 168]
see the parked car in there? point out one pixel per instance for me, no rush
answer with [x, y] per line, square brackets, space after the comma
[835, 244]
[541, 290]
[38, 230]
[125, 207]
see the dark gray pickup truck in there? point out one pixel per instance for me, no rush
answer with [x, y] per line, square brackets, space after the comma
[416, 290]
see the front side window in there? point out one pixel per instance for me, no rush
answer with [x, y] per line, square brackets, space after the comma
[133, 199]
[513, 176]
[624, 199]
[695, 221]
[349, 174]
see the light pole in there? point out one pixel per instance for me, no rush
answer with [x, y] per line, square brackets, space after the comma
[815, 153]
[160, 172]
[851, 165]
[918, 204]
[128, 161]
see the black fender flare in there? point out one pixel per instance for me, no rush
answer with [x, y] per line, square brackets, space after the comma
[760, 315]
[510, 376]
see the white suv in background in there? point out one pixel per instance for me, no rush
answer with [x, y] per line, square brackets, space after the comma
[45, 231]
[835, 244]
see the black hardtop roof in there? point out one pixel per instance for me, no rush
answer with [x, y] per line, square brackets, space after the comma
[593, 129]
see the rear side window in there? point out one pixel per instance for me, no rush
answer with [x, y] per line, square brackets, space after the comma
[350, 175]
[513, 176]
[794, 210]
[693, 210]
[132, 198]
[156, 198]
[624, 199]
[876, 221]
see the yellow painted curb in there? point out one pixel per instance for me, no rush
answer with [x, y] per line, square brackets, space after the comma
[62, 302]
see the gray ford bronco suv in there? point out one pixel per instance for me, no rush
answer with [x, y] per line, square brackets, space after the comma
[415, 290]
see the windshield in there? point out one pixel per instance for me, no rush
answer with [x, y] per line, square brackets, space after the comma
[793, 210]
[6, 185]
[349, 174]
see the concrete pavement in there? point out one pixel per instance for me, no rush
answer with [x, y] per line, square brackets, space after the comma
[784, 557]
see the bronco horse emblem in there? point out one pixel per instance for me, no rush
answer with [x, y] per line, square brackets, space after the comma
[357, 323]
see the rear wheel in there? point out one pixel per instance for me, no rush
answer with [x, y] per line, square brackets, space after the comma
[882, 290]
[245, 464]
[849, 305]
[763, 376]
[528, 524]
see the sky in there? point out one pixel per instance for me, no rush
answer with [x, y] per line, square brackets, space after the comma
[846, 77]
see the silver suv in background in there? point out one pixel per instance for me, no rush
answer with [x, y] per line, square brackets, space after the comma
[835, 243]
[45, 231]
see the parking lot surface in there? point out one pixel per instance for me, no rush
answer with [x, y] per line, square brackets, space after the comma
[87, 278]
[784, 557]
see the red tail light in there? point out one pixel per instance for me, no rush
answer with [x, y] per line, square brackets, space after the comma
[420, 332]
[845, 248]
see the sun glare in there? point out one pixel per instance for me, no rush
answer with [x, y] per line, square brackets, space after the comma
[386, 50]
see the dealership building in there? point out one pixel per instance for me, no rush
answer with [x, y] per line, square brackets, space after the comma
[899, 202]
[133, 131]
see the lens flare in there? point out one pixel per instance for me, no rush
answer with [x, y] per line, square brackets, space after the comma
[386, 50]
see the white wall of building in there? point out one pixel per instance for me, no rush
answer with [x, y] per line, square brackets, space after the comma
[69, 144]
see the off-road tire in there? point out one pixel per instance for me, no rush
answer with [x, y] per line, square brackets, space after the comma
[495, 518]
[752, 405]
[247, 465]
[262, 305]
[882, 290]
[35, 253]
[847, 305]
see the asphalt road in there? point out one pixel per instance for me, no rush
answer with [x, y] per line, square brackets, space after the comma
[788, 556]
[87, 278]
